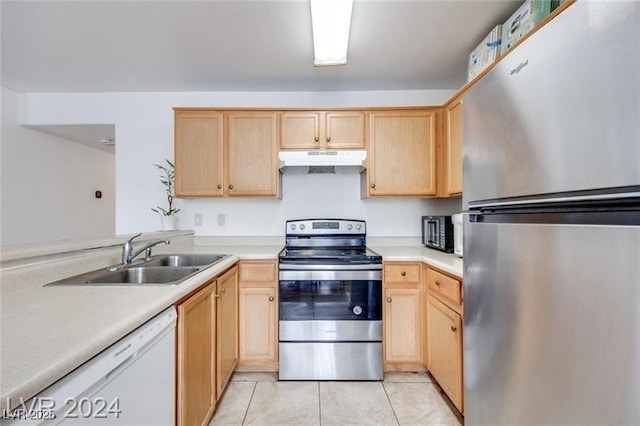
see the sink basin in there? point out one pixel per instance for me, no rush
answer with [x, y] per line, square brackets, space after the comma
[165, 269]
[143, 275]
[177, 260]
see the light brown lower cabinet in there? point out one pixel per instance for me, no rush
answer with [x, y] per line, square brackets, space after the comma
[226, 328]
[196, 393]
[444, 342]
[258, 315]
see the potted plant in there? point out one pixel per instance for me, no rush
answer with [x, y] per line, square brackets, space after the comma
[167, 178]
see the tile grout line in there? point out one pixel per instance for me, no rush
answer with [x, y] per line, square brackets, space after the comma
[246, 411]
[319, 405]
[390, 403]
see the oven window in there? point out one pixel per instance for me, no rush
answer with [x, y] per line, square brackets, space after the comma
[330, 300]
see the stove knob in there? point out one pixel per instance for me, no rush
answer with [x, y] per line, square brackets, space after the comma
[302, 227]
[358, 227]
[357, 310]
[349, 227]
[293, 227]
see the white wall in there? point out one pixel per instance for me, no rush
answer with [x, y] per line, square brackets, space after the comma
[48, 184]
[144, 135]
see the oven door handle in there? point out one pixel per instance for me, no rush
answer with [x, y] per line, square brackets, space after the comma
[330, 275]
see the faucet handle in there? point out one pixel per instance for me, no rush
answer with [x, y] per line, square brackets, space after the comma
[134, 237]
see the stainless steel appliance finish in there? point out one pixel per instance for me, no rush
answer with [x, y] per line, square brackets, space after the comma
[552, 238]
[349, 331]
[567, 101]
[330, 302]
[331, 361]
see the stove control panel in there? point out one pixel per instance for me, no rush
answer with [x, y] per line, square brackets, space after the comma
[326, 227]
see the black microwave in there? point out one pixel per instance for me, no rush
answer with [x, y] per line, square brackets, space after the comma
[437, 233]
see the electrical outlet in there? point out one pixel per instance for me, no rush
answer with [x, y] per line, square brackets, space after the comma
[197, 219]
[221, 219]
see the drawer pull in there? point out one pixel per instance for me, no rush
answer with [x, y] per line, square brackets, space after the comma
[216, 294]
[388, 300]
[270, 298]
[223, 290]
[438, 283]
[454, 328]
[373, 186]
[403, 273]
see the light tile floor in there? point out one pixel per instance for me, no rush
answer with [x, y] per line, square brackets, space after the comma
[401, 399]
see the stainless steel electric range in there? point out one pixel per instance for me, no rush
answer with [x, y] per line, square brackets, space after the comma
[330, 290]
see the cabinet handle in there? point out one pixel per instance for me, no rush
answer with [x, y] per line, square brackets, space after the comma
[219, 186]
[216, 294]
[388, 300]
[316, 139]
[403, 274]
[373, 186]
[270, 298]
[454, 328]
[438, 283]
[223, 290]
[329, 139]
[230, 186]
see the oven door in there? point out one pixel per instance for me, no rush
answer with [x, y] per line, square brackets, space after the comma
[330, 295]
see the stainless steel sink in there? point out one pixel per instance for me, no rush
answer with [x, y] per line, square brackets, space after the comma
[143, 275]
[160, 270]
[177, 260]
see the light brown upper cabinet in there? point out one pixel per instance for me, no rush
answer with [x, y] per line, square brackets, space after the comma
[252, 154]
[453, 148]
[323, 130]
[220, 154]
[198, 153]
[402, 153]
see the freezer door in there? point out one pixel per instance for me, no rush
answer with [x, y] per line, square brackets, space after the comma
[560, 112]
[551, 324]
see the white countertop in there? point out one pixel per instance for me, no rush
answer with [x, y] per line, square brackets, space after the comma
[49, 331]
[445, 261]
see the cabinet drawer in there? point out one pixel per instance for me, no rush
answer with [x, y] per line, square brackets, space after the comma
[402, 273]
[445, 285]
[264, 272]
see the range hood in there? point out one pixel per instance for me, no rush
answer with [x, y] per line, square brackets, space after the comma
[321, 161]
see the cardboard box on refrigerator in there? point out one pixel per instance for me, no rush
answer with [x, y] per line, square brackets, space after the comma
[524, 20]
[485, 53]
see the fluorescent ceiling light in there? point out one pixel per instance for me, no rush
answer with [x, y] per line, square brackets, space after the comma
[331, 20]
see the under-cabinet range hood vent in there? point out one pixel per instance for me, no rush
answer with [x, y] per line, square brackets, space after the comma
[321, 161]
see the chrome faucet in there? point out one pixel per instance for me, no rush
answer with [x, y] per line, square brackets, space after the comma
[127, 250]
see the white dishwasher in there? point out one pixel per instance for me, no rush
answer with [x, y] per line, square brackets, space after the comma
[130, 383]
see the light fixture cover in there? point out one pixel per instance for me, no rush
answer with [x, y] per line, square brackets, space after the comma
[331, 21]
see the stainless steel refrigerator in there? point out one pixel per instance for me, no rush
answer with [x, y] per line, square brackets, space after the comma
[552, 237]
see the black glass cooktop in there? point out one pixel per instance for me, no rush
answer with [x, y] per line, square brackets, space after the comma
[329, 255]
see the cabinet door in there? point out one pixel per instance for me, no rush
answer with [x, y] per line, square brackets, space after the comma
[252, 149]
[196, 358]
[226, 328]
[258, 339]
[402, 326]
[444, 336]
[402, 153]
[300, 130]
[344, 130]
[198, 154]
[453, 147]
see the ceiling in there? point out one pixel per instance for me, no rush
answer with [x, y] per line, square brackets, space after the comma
[98, 136]
[121, 46]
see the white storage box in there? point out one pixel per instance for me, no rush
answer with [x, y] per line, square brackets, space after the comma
[523, 20]
[485, 53]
